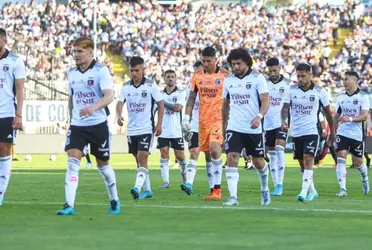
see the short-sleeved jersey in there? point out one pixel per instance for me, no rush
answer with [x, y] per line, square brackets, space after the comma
[195, 113]
[140, 102]
[305, 106]
[11, 69]
[352, 106]
[209, 87]
[172, 120]
[279, 94]
[86, 89]
[244, 96]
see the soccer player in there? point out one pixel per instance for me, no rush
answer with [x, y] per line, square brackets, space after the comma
[193, 137]
[140, 94]
[171, 135]
[351, 111]
[209, 85]
[276, 137]
[91, 91]
[11, 103]
[245, 92]
[305, 100]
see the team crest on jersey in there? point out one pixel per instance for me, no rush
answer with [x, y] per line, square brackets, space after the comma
[90, 83]
[144, 94]
[174, 99]
[355, 102]
[5, 68]
[248, 86]
[217, 81]
[281, 90]
[312, 98]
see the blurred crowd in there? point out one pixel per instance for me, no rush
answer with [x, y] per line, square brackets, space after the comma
[172, 37]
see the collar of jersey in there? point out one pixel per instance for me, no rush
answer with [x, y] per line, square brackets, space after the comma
[175, 89]
[90, 67]
[5, 54]
[246, 74]
[356, 92]
[280, 79]
[142, 82]
[311, 87]
[216, 71]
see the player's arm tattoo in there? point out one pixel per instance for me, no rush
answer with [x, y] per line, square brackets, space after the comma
[173, 107]
[328, 115]
[265, 103]
[160, 111]
[190, 103]
[335, 120]
[70, 107]
[225, 112]
[285, 111]
[19, 95]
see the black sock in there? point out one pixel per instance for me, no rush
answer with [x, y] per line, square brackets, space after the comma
[88, 158]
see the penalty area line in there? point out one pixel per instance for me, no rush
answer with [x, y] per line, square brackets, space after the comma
[251, 208]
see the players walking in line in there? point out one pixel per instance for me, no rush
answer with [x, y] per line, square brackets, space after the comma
[276, 137]
[11, 104]
[171, 135]
[351, 111]
[245, 92]
[140, 94]
[305, 101]
[91, 91]
[209, 85]
[192, 138]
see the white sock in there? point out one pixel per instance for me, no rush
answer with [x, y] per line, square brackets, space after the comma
[341, 172]
[191, 171]
[263, 175]
[110, 181]
[217, 167]
[147, 183]
[273, 167]
[307, 178]
[209, 167]
[5, 170]
[183, 164]
[232, 177]
[72, 180]
[164, 167]
[312, 187]
[280, 154]
[363, 170]
[141, 177]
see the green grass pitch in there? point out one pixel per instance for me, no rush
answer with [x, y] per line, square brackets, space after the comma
[173, 220]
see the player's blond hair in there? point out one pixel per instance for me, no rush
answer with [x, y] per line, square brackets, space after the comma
[84, 42]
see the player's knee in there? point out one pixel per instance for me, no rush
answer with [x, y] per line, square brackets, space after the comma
[357, 162]
[102, 163]
[164, 153]
[73, 164]
[259, 162]
[232, 159]
[194, 153]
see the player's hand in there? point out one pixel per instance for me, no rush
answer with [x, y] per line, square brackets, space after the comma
[343, 119]
[87, 111]
[186, 125]
[17, 122]
[256, 122]
[324, 134]
[120, 121]
[331, 139]
[158, 129]
[284, 126]
[187, 136]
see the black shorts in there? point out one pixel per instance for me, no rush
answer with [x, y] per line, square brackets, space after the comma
[98, 136]
[194, 141]
[307, 144]
[356, 148]
[276, 134]
[7, 133]
[140, 143]
[253, 143]
[175, 143]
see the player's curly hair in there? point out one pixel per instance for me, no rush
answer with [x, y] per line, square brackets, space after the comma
[240, 54]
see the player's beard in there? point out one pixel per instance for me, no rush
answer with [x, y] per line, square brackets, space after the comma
[274, 78]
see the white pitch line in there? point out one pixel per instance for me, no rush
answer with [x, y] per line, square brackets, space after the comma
[253, 208]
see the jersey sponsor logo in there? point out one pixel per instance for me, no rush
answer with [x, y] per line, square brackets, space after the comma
[208, 92]
[6, 68]
[275, 101]
[136, 107]
[240, 99]
[90, 83]
[302, 109]
[85, 97]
